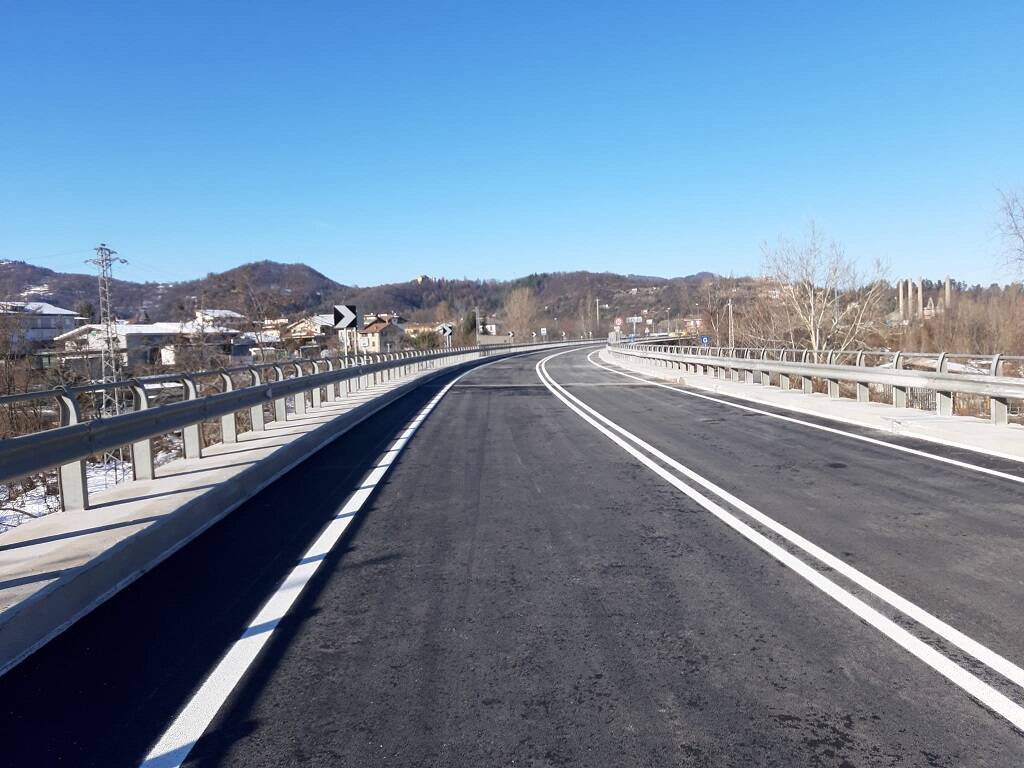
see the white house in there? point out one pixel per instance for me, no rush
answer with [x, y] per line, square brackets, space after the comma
[225, 318]
[148, 343]
[32, 323]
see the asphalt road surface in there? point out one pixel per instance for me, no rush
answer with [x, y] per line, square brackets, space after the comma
[529, 587]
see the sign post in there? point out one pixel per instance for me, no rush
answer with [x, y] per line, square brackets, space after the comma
[446, 331]
[345, 318]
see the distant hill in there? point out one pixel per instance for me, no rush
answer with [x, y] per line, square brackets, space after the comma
[268, 288]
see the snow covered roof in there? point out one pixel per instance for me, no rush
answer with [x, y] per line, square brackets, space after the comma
[34, 307]
[261, 337]
[314, 320]
[225, 313]
[189, 328]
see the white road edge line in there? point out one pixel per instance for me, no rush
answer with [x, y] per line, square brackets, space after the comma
[833, 430]
[983, 692]
[174, 746]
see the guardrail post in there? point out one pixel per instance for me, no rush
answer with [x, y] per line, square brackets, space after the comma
[332, 388]
[998, 407]
[256, 418]
[863, 392]
[833, 384]
[300, 397]
[806, 382]
[899, 394]
[943, 400]
[228, 427]
[280, 404]
[142, 450]
[315, 395]
[191, 436]
[71, 479]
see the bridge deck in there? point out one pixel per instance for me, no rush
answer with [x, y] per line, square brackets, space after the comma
[55, 567]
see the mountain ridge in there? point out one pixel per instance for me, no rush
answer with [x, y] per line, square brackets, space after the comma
[270, 289]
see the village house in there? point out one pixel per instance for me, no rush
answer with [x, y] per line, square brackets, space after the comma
[149, 343]
[224, 318]
[309, 330]
[30, 324]
[380, 336]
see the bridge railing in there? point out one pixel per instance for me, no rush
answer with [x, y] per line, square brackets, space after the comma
[998, 379]
[271, 389]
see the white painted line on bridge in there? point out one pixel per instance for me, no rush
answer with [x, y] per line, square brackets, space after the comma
[177, 742]
[834, 430]
[980, 690]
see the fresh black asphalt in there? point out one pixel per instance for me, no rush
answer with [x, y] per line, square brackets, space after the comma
[520, 591]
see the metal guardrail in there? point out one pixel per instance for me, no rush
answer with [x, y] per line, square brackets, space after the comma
[759, 365]
[68, 446]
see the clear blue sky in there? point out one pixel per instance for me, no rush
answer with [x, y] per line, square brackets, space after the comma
[380, 140]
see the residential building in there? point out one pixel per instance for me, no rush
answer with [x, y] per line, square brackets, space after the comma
[224, 318]
[391, 317]
[413, 330]
[30, 324]
[309, 330]
[380, 336]
[150, 343]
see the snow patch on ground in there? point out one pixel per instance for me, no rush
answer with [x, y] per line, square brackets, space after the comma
[36, 290]
[19, 503]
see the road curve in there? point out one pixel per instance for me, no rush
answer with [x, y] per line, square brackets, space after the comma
[519, 589]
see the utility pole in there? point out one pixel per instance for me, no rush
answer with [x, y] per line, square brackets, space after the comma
[110, 352]
[732, 338]
[597, 316]
[110, 358]
[476, 322]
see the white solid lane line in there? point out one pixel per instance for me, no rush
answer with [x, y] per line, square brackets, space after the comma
[823, 428]
[977, 688]
[985, 655]
[174, 746]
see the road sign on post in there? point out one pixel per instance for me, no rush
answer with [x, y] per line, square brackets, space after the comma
[543, 331]
[344, 316]
[705, 341]
[618, 323]
[446, 330]
[345, 319]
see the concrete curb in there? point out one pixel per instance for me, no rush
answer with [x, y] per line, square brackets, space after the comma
[30, 624]
[895, 426]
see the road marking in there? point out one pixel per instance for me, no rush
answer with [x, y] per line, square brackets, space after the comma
[977, 688]
[823, 428]
[174, 746]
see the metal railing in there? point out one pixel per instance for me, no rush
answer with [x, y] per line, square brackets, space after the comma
[997, 378]
[312, 383]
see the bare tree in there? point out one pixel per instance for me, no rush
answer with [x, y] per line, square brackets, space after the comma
[822, 296]
[521, 310]
[1011, 227]
[715, 294]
